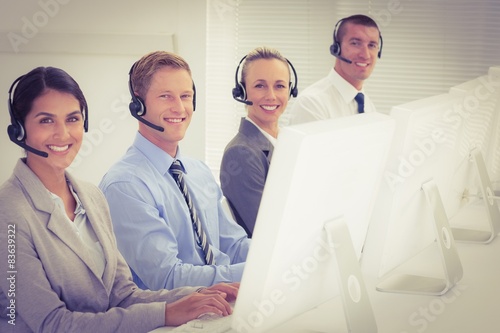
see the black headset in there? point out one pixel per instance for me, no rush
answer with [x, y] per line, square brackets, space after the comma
[240, 94]
[335, 47]
[137, 106]
[16, 131]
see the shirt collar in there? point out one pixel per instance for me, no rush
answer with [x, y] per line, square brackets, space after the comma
[79, 210]
[159, 158]
[268, 136]
[347, 91]
[79, 207]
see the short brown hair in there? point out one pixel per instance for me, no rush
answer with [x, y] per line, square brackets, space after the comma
[357, 19]
[149, 64]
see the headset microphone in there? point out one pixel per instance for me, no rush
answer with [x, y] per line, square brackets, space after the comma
[344, 59]
[236, 95]
[338, 56]
[14, 138]
[144, 121]
[244, 102]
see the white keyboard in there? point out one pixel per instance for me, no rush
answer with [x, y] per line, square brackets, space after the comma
[207, 323]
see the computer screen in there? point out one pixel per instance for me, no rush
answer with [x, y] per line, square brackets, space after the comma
[418, 168]
[491, 89]
[320, 172]
[478, 124]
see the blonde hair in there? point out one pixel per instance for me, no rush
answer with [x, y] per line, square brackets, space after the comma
[262, 52]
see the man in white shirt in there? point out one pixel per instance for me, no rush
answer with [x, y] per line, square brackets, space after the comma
[357, 44]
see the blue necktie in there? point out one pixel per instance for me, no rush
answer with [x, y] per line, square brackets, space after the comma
[178, 175]
[360, 99]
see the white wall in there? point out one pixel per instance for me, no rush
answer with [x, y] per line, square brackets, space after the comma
[32, 33]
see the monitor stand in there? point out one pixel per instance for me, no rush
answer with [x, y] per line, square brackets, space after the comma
[492, 211]
[452, 267]
[357, 306]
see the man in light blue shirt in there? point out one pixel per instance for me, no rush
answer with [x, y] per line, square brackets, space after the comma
[151, 219]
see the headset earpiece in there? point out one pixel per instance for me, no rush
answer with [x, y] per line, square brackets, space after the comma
[194, 97]
[16, 132]
[86, 118]
[15, 129]
[381, 45]
[239, 91]
[335, 47]
[294, 90]
[136, 105]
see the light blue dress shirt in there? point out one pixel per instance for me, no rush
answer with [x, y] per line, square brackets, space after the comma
[153, 227]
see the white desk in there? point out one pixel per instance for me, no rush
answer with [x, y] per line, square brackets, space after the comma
[473, 305]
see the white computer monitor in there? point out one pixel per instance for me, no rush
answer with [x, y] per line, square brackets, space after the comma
[481, 119]
[473, 213]
[323, 175]
[419, 254]
[493, 154]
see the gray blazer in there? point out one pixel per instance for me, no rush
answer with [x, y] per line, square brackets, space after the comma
[243, 173]
[52, 284]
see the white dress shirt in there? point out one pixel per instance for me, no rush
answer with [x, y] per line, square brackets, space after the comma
[330, 97]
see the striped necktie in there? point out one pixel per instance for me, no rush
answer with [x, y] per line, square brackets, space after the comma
[360, 99]
[178, 175]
